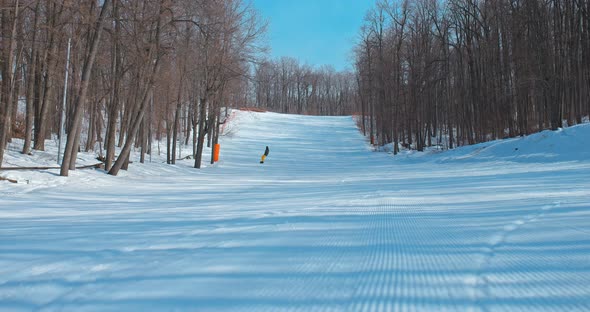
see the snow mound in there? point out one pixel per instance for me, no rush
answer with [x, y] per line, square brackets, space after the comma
[569, 144]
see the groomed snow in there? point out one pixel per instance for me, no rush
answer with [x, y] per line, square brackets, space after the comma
[324, 225]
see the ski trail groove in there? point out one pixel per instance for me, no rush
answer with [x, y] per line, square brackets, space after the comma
[398, 272]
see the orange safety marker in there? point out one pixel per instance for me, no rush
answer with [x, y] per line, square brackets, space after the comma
[216, 152]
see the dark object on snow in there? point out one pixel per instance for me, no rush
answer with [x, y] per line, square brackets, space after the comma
[266, 151]
[9, 180]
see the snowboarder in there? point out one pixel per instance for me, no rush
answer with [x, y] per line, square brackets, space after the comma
[264, 156]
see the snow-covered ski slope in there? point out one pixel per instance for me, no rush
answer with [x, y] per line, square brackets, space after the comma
[324, 225]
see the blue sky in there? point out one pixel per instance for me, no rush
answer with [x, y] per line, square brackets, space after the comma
[316, 32]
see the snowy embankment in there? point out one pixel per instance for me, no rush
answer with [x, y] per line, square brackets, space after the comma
[324, 225]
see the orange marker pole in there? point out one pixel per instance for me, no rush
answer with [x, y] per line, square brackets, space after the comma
[216, 152]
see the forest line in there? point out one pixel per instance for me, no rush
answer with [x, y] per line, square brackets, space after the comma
[459, 72]
[426, 72]
[139, 69]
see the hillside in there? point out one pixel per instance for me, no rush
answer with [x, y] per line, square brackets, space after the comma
[325, 224]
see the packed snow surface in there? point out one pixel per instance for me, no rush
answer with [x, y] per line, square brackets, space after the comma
[325, 224]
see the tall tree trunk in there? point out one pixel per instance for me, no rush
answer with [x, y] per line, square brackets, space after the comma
[7, 76]
[168, 143]
[16, 84]
[71, 150]
[31, 72]
[176, 126]
[90, 139]
[50, 62]
[202, 131]
[114, 100]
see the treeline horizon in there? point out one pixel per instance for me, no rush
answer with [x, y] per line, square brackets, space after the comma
[286, 85]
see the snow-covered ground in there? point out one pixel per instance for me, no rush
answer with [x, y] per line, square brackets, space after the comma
[324, 225]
